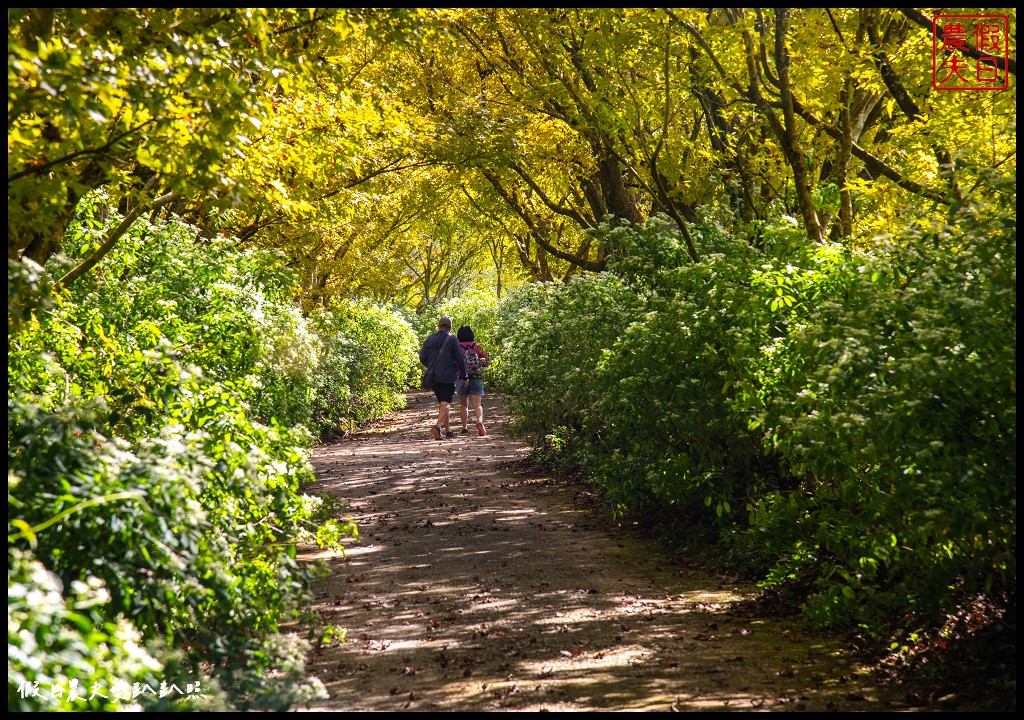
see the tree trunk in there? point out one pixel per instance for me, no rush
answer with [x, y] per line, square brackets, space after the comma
[789, 138]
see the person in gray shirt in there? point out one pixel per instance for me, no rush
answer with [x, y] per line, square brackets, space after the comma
[442, 356]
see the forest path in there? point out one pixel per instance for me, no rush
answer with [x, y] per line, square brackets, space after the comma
[478, 586]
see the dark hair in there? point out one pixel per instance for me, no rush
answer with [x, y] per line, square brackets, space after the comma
[466, 334]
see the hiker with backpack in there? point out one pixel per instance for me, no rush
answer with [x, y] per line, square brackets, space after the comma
[473, 390]
[442, 356]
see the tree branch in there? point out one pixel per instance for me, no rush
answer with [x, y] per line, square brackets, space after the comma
[762, 54]
[873, 163]
[46, 166]
[113, 237]
[585, 223]
[535, 232]
[394, 166]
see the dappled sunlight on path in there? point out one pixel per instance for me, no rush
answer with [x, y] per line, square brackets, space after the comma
[478, 586]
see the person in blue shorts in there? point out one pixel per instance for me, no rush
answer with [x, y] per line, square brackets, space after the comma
[472, 392]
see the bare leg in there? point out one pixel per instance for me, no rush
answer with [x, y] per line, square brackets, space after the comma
[478, 410]
[465, 411]
[442, 415]
[436, 430]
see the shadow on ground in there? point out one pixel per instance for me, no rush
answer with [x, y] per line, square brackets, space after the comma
[478, 587]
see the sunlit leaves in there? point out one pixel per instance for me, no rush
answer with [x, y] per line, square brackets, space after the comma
[169, 89]
[278, 113]
[369, 355]
[896, 403]
[855, 408]
[157, 418]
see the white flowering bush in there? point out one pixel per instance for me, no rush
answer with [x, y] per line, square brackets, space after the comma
[64, 652]
[552, 338]
[843, 419]
[368, 359]
[157, 453]
[893, 407]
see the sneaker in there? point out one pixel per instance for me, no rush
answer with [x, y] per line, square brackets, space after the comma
[480, 429]
[465, 431]
[437, 432]
[449, 435]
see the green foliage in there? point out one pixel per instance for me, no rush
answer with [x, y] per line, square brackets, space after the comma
[172, 302]
[666, 431]
[894, 406]
[552, 338]
[99, 94]
[648, 256]
[635, 371]
[846, 418]
[147, 443]
[369, 359]
[58, 639]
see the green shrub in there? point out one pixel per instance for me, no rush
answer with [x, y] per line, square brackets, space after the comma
[553, 337]
[666, 431]
[846, 417]
[217, 310]
[894, 406]
[149, 461]
[369, 359]
[63, 645]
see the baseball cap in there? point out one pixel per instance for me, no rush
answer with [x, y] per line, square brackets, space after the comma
[445, 322]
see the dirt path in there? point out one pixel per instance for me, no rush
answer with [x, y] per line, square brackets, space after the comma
[479, 587]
